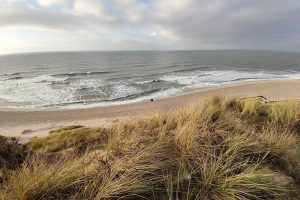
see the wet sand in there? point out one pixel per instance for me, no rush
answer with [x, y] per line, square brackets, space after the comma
[40, 122]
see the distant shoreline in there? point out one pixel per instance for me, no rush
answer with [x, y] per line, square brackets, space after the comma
[40, 122]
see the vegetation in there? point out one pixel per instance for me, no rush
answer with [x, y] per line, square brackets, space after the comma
[218, 149]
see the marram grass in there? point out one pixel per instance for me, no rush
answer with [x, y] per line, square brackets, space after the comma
[219, 149]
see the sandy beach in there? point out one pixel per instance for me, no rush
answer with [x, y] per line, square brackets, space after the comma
[39, 123]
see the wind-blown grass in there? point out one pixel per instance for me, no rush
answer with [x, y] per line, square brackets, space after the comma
[217, 149]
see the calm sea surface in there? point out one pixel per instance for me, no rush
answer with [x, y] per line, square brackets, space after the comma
[86, 79]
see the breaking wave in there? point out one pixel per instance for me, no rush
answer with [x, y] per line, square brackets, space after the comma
[106, 78]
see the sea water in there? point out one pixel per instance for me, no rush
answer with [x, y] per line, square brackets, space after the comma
[87, 79]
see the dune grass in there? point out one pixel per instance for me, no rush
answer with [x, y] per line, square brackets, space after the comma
[217, 149]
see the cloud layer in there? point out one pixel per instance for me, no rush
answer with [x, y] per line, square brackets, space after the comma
[43, 25]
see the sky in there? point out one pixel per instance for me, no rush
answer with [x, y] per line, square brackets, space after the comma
[87, 25]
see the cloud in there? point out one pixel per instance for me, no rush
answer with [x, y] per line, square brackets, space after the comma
[20, 15]
[89, 7]
[176, 24]
[51, 3]
[231, 22]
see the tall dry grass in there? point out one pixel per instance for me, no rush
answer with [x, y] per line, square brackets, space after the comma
[217, 149]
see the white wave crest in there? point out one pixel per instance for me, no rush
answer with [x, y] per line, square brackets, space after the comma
[211, 78]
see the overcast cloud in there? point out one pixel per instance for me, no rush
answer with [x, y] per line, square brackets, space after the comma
[63, 25]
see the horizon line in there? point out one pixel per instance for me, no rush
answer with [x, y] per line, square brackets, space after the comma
[150, 50]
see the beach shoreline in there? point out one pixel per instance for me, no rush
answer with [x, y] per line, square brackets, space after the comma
[39, 122]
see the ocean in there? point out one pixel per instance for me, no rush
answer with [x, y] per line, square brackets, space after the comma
[88, 79]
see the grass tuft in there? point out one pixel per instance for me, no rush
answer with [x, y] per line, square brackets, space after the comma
[217, 149]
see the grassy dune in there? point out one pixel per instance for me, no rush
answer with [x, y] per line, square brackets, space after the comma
[217, 149]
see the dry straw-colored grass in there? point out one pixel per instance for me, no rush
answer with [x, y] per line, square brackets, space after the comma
[217, 149]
